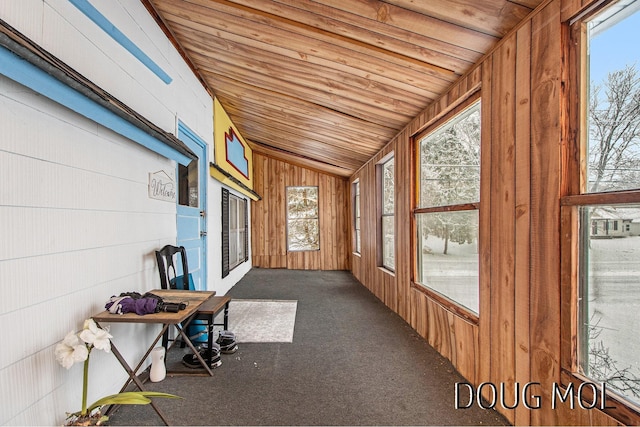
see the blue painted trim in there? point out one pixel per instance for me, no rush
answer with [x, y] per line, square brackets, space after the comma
[183, 129]
[101, 21]
[45, 84]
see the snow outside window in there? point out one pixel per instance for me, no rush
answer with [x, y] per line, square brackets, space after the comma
[303, 227]
[447, 211]
[356, 215]
[609, 230]
[388, 231]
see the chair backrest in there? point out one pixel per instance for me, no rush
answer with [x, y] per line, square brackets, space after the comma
[167, 268]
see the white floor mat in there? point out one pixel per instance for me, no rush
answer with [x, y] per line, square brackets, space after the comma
[255, 320]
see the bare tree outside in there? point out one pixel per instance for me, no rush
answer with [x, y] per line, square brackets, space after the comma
[388, 211]
[610, 295]
[614, 132]
[613, 165]
[449, 180]
[450, 175]
[604, 367]
[303, 228]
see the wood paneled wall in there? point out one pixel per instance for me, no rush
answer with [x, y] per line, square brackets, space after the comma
[269, 217]
[517, 337]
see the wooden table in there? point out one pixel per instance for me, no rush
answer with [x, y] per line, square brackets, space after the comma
[179, 320]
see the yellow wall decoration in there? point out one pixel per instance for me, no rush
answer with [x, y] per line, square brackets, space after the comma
[233, 158]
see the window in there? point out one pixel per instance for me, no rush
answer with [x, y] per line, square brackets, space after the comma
[356, 216]
[188, 184]
[235, 234]
[303, 228]
[387, 224]
[601, 210]
[448, 199]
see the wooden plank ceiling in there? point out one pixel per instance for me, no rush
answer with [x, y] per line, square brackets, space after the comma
[328, 83]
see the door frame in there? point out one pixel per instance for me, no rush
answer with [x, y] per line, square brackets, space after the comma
[200, 148]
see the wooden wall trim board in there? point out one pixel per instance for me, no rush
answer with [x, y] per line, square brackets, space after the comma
[485, 274]
[404, 163]
[517, 338]
[546, 54]
[522, 214]
[502, 211]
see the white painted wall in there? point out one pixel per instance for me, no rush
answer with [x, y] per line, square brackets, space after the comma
[60, 28]
[76, 222]
[77, 227]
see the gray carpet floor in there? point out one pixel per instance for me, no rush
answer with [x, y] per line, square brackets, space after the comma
[352, 362]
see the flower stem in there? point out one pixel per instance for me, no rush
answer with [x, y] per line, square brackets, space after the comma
[85, 382]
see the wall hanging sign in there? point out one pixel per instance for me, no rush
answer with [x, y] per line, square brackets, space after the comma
[162, 186]
[233, 158]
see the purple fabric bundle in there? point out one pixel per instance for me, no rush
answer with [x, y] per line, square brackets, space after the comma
[127, 304]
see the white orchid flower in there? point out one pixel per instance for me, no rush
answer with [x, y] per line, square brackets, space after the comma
[97, 337]
[71, 350]
[77, 348]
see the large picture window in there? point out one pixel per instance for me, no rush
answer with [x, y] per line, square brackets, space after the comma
[386, 173]
[356, 216]
[448, 198]
[235, 231]
[303, 227]
[603, 203]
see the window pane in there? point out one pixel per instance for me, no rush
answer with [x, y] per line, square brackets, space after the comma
[188, 184]
[388, 251]
[242, 206]
[387, 188]
[233, 209]
[233, 248]
[610, 297]
[448, 255]
[241, 248]
[386, 246]
[303, 233]
[237, 231]
[450, 162]
[356, 211]
[614, 92]
[302, 202]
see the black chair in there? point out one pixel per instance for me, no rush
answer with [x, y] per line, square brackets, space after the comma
[166, 258]
[170, 256]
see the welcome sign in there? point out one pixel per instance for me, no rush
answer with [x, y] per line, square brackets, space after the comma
[162, 186]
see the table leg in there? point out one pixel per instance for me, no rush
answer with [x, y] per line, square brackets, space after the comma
[133, 377]
[226, 316]
[195, 351]
[210, 338]
[132, 374]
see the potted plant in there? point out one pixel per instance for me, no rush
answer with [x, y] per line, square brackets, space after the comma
[77, 347]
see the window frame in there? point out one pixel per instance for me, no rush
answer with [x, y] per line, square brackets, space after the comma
[189, 185]
[574, 161]
[241, 227]
[455, 109]
[316, 218]
[381, 214]
[357, 218]
[226, 230]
